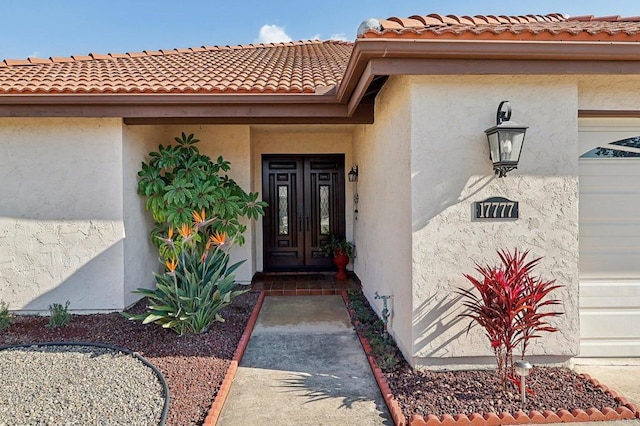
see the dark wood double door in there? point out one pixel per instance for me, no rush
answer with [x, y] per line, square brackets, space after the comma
[306, 207]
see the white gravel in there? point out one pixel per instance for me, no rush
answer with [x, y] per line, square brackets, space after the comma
[77, 385]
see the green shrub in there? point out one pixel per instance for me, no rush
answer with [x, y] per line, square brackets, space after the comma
[179, 179]
[59, 315]
[197, 282]
[383, 347]
[5, 315]
[388, 361]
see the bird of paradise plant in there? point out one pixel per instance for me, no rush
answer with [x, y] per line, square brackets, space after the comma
[197, 282]
[511, 305]
[179, 178]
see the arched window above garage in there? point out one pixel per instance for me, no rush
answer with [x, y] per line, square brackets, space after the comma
[624, 148]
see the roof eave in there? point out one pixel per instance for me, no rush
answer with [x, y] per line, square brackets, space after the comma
[433, 50]
[164, 98]
[191, 108]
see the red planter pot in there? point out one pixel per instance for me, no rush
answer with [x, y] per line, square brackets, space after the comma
[341, 260]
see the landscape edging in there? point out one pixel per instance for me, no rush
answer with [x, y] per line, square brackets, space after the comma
[221, 397]
[115, 348]
[625, 411]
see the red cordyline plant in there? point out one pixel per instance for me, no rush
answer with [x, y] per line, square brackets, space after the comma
[509, 303]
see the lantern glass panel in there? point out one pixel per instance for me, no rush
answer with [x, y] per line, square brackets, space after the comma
[510, 144]
[494, 151]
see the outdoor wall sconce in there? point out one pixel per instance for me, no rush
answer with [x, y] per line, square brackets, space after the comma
[353, 177]
[353, 173]
[523, 368]
[505, 141]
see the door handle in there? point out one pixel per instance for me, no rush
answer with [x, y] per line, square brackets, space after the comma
[308, 224]
[299, 223]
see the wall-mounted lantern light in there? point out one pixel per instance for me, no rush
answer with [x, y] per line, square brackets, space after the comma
[353, 173]
[505, 141]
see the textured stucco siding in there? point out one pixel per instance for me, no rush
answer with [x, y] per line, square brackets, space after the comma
[61, 220]
[300, 140]
[383, 229]
[140, 255]
[450, 170]
[608, 92]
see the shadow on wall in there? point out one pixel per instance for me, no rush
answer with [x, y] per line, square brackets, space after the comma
[445, 195]
[95, 286]
[433, 319]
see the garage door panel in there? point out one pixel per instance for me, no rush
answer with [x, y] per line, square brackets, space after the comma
[600, 167]
[625, 227]
[609, 207]
[610, 319]
[609, 257]
[612, 324]
[604, 294]
[608, 244]
[604, 347]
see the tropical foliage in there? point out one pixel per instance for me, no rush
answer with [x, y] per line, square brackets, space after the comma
[178, 179]
[511, 305]
[340, 245]
[197, 282]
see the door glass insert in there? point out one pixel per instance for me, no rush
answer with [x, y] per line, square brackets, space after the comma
[324, 210]
[283, 210]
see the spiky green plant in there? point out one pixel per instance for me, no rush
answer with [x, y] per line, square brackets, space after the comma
[197, 283]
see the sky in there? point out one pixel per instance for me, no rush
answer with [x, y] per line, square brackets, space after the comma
[44, 28]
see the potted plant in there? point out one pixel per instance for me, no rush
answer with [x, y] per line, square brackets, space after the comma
[343, 252]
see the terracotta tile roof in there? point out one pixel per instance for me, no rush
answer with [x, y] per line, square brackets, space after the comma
[552, 27]
[296, 67]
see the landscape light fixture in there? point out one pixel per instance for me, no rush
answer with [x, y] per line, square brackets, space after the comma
[505, 141]
[523, 368]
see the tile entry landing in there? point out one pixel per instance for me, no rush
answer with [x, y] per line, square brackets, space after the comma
[302, 283]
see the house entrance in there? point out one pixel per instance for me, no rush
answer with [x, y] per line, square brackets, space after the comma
[306, 206]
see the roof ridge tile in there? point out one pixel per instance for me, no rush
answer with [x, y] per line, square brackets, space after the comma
[35, 60]
[553, 26]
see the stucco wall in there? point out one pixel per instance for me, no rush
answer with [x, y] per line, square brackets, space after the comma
[608, 92]
[232, 142]
[450, 170]
[140, 255]
[61, 221]
[300, 140]
[383, 229]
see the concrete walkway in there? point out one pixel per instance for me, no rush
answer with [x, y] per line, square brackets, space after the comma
[624, 378]
[304, 365]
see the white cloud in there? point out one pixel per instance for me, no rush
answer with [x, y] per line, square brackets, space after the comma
[339, 36]
[34, 55]
[273, 34]
[316, 37]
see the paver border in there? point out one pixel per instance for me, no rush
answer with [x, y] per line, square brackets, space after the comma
[221, 397]
[625, 411]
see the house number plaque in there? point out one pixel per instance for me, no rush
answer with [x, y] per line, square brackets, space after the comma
[496, 208]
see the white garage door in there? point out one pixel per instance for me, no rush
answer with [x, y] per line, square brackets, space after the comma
[609, 244]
